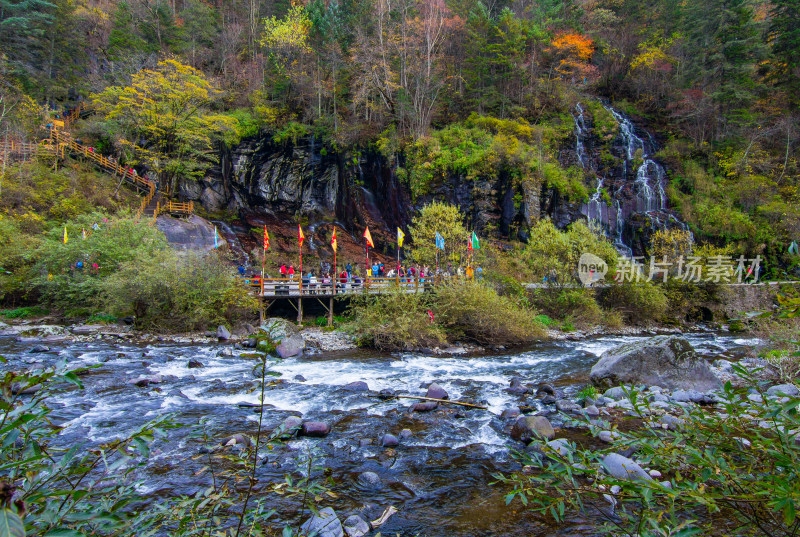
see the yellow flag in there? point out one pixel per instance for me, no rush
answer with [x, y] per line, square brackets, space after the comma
[400, 237]
[65, 234]
[334, 244]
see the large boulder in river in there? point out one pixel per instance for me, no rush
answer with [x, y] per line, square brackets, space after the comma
[667, 361]
[436, 392]
[291, 346]
[527, 428]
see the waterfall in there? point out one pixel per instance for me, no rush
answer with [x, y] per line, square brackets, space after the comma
[642, 193]
[580, 135]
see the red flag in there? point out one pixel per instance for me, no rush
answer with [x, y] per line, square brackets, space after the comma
[266, 238]
[369, 238]
[334, 244]
[300, 235]
[469, 243]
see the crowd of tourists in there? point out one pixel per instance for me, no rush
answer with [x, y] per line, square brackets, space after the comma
[352, 276]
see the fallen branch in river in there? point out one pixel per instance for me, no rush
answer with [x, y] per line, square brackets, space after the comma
[447, 401]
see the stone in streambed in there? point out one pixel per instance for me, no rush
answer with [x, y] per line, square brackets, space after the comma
[39, 348]
[355, 526]
[526, 428]
[426, 406]
[624, 468]
[784, 389]
[291, 346]
[324, 524]
[369, 480]
[236, 440]
[315, 429]
[223, 334]
[509, 413]
[406, 433]
[194, 364]
[358, 386]
[545, 389]
[436, 392]
[667, 361]
[517, 387]
[389, 440]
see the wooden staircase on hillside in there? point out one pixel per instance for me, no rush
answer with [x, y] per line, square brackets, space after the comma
[60, 143]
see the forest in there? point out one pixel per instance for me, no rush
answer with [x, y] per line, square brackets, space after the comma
[718, 81]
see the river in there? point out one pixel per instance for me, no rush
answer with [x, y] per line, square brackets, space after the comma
[438, 478]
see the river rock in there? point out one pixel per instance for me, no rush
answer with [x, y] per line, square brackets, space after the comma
[436, 392]
[783, 389]
[355, 526]
[526, 428]
[565, 405]
[509, 413]
[315, 429]
[389, 440]
[194, 364]
[369, 479]
[39, 348]
[672, 423]
[561, 445]
[143, 382]
[237, 440]
[624, 468]
[223, 334]
[324, 524]
[87, 329]
[291, 346]
[592, 411]
[545, 389]
[358, 386]
[608, 436]
[425, 406]
[406, 433]
[386, 394]
[292, 425]
[667, 361]
[517, 387]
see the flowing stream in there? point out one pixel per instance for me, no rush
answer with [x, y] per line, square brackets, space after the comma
[439, 478]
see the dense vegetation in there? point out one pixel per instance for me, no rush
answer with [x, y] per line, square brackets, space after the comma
[442, 87]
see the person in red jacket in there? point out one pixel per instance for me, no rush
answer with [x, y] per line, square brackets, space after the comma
[291, 272]
[283, 271]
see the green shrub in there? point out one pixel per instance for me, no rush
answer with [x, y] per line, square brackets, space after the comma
[24, 312]
[638, 303]
[475, 311]
[394, 321]
[173, 292]
[576, 304]
[118, 240]
[724, 475]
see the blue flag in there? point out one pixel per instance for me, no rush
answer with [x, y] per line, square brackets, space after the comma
[439, 241]
[216, 241]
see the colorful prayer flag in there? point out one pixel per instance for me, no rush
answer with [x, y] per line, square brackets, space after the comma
[439, 241]
[400, 237]
[334, 244]
[216, 239]
[65, 234]
[266, 238]
[369, 238]
[300, 235]
[83, 232]
[475, 243]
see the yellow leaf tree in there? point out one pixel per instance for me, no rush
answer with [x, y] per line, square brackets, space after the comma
[163, 116]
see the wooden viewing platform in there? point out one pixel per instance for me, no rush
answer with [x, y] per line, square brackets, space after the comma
[270, 290]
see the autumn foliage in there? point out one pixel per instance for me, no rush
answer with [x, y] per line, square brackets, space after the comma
[571, 54]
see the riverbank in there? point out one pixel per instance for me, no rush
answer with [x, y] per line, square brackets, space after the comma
[46, 329]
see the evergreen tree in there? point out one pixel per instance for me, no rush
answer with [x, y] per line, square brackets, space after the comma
[723, 48]
[784, 33]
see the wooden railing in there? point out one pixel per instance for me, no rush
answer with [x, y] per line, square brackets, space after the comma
[64, 140]
[174, 207]
[15, 151]
[303, 287]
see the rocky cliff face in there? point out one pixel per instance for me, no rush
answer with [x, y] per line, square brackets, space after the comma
[259, 180]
